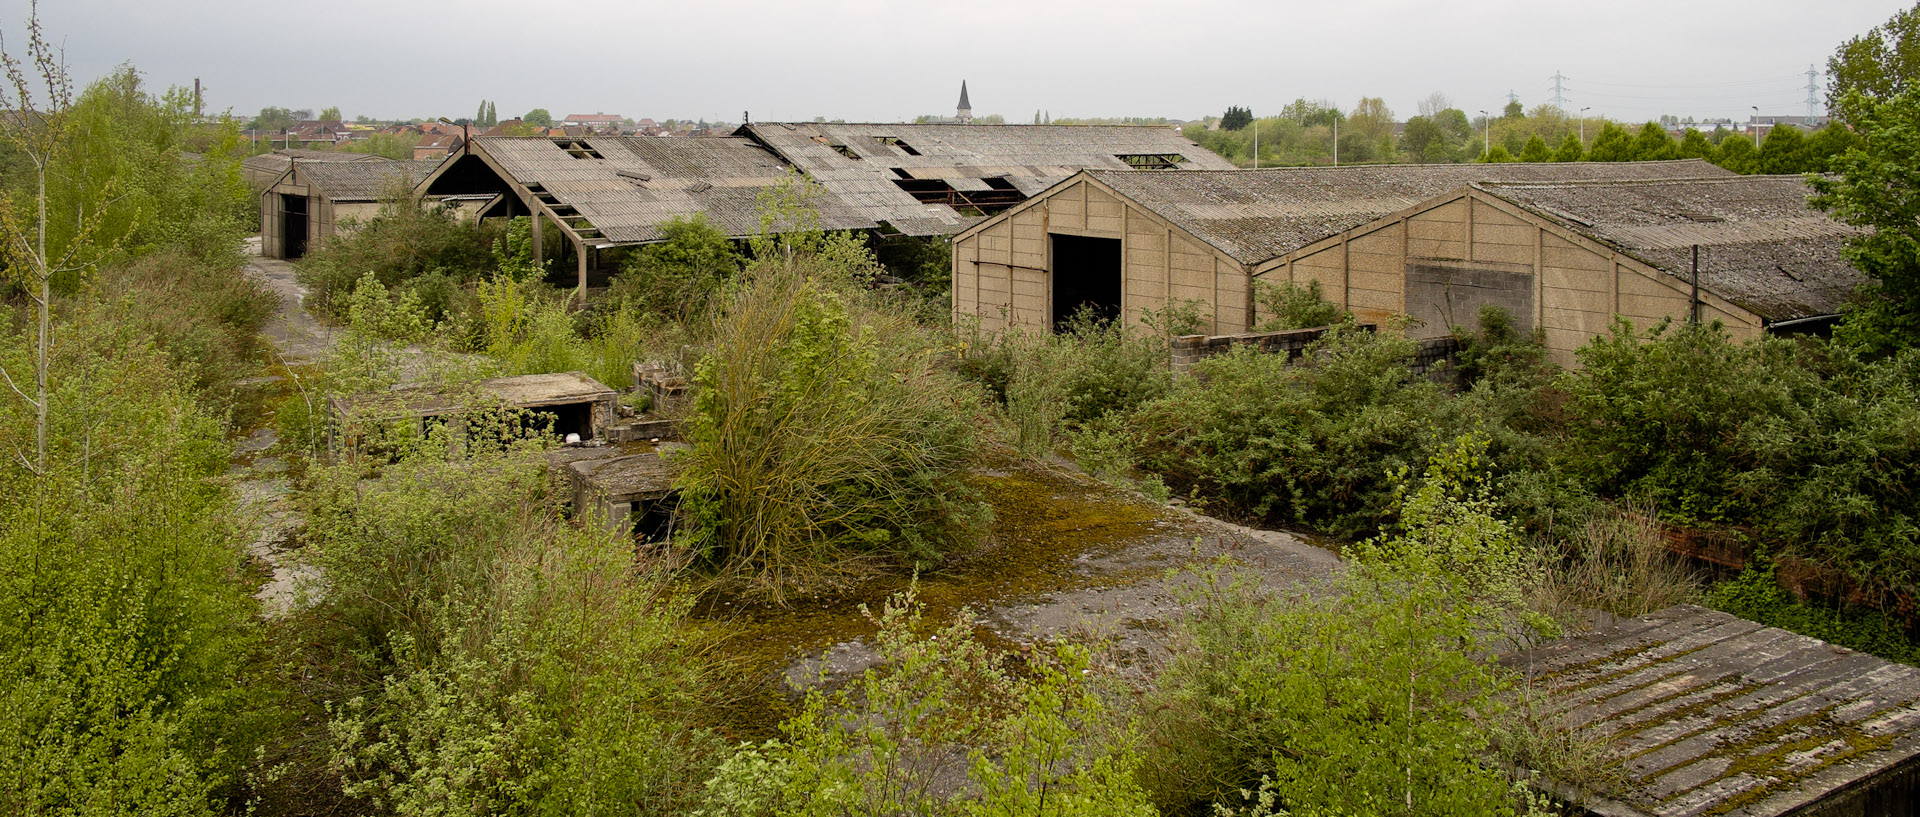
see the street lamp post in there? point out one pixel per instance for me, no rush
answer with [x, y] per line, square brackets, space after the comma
[1583, 126]
[1486, 139]
[1753, 125]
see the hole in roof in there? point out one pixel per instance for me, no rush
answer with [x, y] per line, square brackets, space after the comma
[902, 173]
[894, 141]
[1151, 161]
[578, 148]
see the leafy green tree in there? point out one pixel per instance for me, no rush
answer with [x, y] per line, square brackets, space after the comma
[1876, 66]
[1536, 150]
[1425, 140]
[1784, 151]
[1694, 145]
[1513, 110]
[273, 119]
[1570, 150]
[331, 114]
[1736, 153]
[539, 117]
[1829, 143]
[682, 275]
[1498, 154]
[1878, 187]
[1652, 143]
[1456, 123]
[1611, 145]
[1236, 118]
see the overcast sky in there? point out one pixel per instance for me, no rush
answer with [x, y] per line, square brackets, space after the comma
[887, 60]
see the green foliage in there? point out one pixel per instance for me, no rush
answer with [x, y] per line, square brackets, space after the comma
[941, 728]
[680, 277]
[1612, 144]
[1652, 143]
[1756, 595]
[406, 246]
[1737, 153]
[1290, 306]
[1308, 444]
[1875, 67]
[205, 316]
[1370, 700]
[1570, 149]
[538, 117]
[1054, 384]
[1236, 118]
[822, 433]
[1498, 153]
[1783, 151]
[1878, 187]
[487, 656]
[122, 630]
[1536, 150]
[1694, 145]
[1498, 353]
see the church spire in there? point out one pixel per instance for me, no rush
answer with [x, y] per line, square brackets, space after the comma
[964, 113]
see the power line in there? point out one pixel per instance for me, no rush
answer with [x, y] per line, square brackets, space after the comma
[1813, 91]
[1559, 91]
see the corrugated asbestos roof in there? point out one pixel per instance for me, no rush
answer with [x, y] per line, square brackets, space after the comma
[1761, 246]
[277, 161]
[1255, 215]
[363, 181]
[1707, 714]
[1031, 158]
[638, 182]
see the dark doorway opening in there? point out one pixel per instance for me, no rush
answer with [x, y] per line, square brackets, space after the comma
[653, 518]
[567, 418]
[1086, 275]
[293, 226]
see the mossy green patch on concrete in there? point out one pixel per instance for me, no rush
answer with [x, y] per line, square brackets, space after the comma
[1044, 522]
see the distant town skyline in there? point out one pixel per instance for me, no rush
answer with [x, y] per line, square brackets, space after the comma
[1627, 60]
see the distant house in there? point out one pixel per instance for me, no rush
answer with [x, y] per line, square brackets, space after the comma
[437, 145]
[1128, 243]
[312, 201]
[598, 121]
[939, 179]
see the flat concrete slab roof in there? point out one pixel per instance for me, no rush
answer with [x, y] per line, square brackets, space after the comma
[1708, 714]
[521, 391]
[631, 477]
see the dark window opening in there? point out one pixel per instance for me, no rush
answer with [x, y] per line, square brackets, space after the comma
[894, 141]
[1151, 161]
[937, 191]
[293, 226]
[564, 419]
[902, 173]
[845, 151]
[1086, 276]
[578, 148]
[653, 518]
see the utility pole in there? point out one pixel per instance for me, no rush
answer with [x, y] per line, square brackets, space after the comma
[1583, 126]
[1336, 141]
[1256, 143]
[1486, 141]
[1512, 96]
[196, 99]
[1559, 91]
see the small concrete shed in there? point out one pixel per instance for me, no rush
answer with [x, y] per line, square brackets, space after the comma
[574, 402]
[629, 492]
[1703, 714]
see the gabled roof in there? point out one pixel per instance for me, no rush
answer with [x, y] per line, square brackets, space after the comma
[1761, 246]
[1028, 158]
[362, 181]
[1256, 215]
[626, 186]
[1700, 712]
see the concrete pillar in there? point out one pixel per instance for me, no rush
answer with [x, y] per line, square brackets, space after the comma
[539, 238]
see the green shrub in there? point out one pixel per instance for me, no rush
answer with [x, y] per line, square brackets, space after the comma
[488, 655]
[1373, 699]
[941, 728]
[823, 433]
[207, 317]
[682, 276]
[1290, 306]
[1054, 384]
[1756, 595]
[1310, 443]
[405, 242]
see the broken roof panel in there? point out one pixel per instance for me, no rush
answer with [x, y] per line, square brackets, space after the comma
[1255, 215]
[1704, 713]
[861, 162]
[626, 186]
[1761, 246]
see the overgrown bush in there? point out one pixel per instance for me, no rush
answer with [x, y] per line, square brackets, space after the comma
[941, 727]
[1373, 699]
[207, 317]
[1309, 443]
[123, 629]
[682, 277]
[823, 434]
[407, 244]
[488, 655]
[1054, 384]
[1291, 306]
